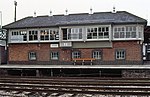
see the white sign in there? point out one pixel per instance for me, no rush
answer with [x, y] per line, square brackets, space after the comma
[54, 45]
[65, 44]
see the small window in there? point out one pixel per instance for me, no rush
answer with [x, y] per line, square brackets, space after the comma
[32, 56]
[97, 54]
[120, 54]
[76, 54]
[54, 56]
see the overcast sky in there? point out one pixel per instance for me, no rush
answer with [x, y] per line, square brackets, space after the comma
[26, 8]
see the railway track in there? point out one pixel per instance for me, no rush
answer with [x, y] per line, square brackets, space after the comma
[75, 86]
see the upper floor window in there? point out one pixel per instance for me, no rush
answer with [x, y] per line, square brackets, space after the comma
[140, 30]
[76, 54]
[127, 32]
[130, 32]
[97, 55]
[103, 32]
[20, 35]
[97, 32]
[24, 34]
[74, 33]
[33, 35]
[44, 34]
[91, 33]
[32, 55]
[119, 32]
[54, 35]
[14, 33]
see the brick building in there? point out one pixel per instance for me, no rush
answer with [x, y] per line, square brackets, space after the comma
[105, 38]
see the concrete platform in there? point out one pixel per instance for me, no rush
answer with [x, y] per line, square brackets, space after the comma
[10, 66]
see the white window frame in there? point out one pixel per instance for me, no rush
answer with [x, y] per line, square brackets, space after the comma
[44, 33]
[120, 54]
[73, 33]
[119, 31]
[97, 38]
[97, 54]
[54, 33]
[32, 56]
[18, 36]
[33, 33]
[131, 30]
[76, 54]
[55, 55]
[138, 32]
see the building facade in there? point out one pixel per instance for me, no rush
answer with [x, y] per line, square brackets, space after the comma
[108, 38]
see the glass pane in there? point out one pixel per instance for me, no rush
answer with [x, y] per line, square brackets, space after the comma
[99, 29]
[133, 34]
[107, 29]
[101, 35]
[122, 35]
[116, 35]
[127, 34]
[106, 35]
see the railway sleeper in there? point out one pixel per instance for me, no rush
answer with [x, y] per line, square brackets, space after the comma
[84, 92]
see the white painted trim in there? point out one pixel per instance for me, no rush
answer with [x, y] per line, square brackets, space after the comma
[84, 34]
[137, 34]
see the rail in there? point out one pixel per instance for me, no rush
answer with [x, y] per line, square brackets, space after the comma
[62, 85]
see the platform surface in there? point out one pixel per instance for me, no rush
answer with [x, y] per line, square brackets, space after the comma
[12, 66]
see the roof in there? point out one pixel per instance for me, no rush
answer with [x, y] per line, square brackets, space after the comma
[120, 17]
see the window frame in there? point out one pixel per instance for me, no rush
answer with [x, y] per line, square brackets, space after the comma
[54, 34]
[76, 54]
[72, 33]
[75, 34]
[54, 55]
[32, 56]
[98, 55]
[33, 35]
[98, 33]
[131, 32]
[44, 35]
[18, 36]
[122, 54]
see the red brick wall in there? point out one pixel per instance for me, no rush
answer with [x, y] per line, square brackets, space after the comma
[133, 49]
[19, 52]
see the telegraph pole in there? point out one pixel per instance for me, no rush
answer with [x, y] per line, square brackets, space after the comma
[15, 3]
